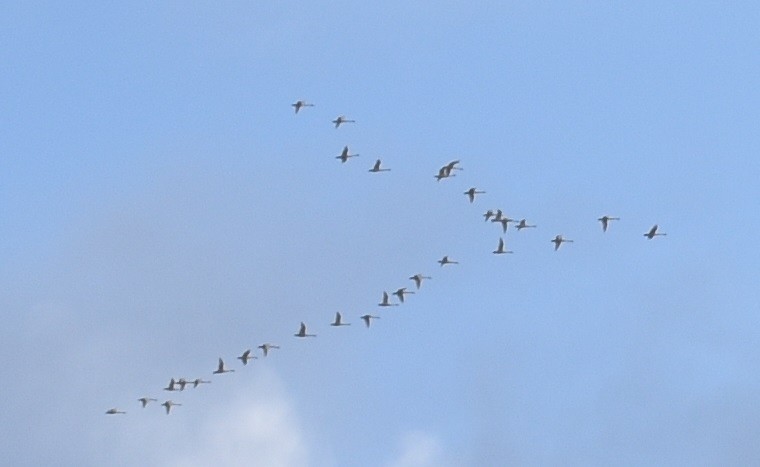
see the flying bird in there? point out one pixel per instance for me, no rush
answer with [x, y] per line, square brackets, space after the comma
[500, 249]
[341, 120]
[302, 332]
[171, 386]
[344, 155]
[445, 171]
[182, 382]
[221, 369]
[523, 224]
[400, 293]
[368, 318]
[605, 220]
[267, 347]
[472, 192]
[558, 240]
[169, 405]
[144, 401]
[488, 215]
[198, 381]
[504, 222]
[376, 167]
[417, 278]
[385, 301]
[246, 357]
[339, 321]
[300, 104]
[653, 232]
[445, 260]
[114, 411]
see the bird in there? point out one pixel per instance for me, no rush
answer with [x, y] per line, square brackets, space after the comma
[472, 192]
[182, 382]
[452, 166]
[344, 155]
[385, 301]
[267, 347]
[500, 249]
[221, 369]
[368, 318]
[417, 278]
[302, 332]
[605, 220]
[653, 232]
[144, 400]
[300, 104]
[558, 240]
[504, 223]
[376, 167]
[198, 381]
[523, 224]
[171, 385]
[445, 171]
[169, 405]
[400, 293]
[445, 260]
[115, 411]
[488, 215]
[339, 321]
[340, 120]
[246, 357]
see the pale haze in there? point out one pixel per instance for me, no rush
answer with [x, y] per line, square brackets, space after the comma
[162, 206]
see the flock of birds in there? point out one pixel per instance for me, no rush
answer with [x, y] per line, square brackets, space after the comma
[446, 171]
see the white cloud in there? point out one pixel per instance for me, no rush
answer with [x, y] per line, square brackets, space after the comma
[419, 449]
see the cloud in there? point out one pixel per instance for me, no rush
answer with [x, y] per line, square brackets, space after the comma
[261, 432]
[419, 449]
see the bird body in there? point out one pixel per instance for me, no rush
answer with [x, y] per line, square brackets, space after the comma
[221, 369]
[168, 405]
[302, 332]
[500, 249]
[523, 224]
[144, 401]
[472, 192]
[115, 411]
[298, 105]
[653, 232]
[267, 347]
[558, 240]
[417, 278]
[445, 260]
[386, 301]
[368, 318]
[246, 357]
[400, 293]
[376, 167]
[198, 381]
[605, 220]
[341, 120]
[171, 386]
[344, 155]
[339, 320]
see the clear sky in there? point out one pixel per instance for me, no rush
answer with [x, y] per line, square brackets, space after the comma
[161, 206]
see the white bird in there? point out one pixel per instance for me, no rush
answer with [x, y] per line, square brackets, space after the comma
[472, 192]
[182, 382]
[246, 357]
[500, 249]
[376, 167]
[198, 381]
[114, 411]
[417, 278]
[344, 155]
[523, 224]
[605, 220]
[144, 401]
[368, 318]
[169, 405]
[221, 369]
[300, 104]
[400, 293]
[558, 240]
[445, 260]
[653, 232]
[339, 321]
[171, 385]
[302, 332]
[341, 120]
[267, 347]
[385, 301]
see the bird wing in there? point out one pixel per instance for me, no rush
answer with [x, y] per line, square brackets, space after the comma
[303, 328]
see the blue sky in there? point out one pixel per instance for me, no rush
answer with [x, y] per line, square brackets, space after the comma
[162, 206]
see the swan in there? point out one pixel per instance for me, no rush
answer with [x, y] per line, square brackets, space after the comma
[144, 400]
[605, 220]
[267, 347]
[221, 369]
[169, 405]
[300, 104]
[376, 167]
[339, 321]
[367, 319]
[171, 385]
[653, 232]
[400, 293]
[558, 240]
[341, 120]
[417, 278]
[114, 411]
[302, 332]
[500, 249]
[246, 357]
[198, 381]
[445, 260]
[523, 224]
[344, 155]
[472, 192]
[385, 301]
